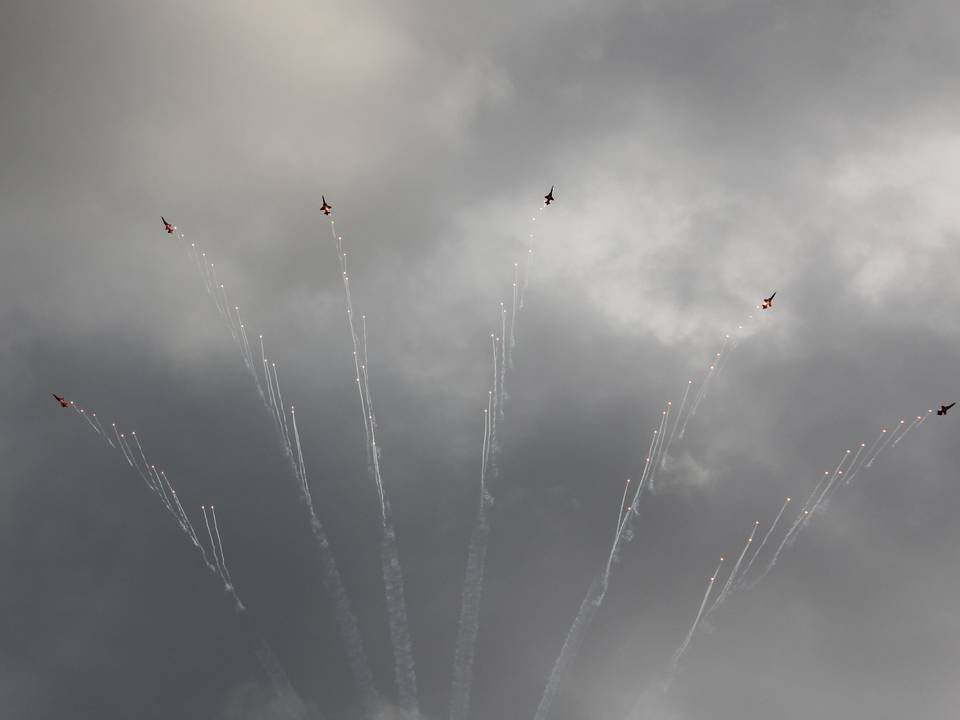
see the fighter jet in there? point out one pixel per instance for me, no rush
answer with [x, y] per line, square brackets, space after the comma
[327, 207]
[767, 302]
[167, 226]
[945, 408]
[63, 401]
[549, 196]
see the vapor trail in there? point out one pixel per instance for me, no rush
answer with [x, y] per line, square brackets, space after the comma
[686, 641]
[571, 644]
[883, 445]
[701, 391]
[472, 593]
[404, 666]
[346, 621]
[765, 538]
[866, 455]
[833, 488]
[347, 626]
[223, 559]
[796, 523]
[725, 590]
[469, 624]
[591, 602]
[513, 315]
[910, 427]
[265, 655]
[705, 386]
[676, 423]
[833, 478]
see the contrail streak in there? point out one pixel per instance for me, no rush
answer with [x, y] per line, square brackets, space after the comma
[346, 621]
[765, 538]
[404, 666]
[696, 621]
[268, 661]
[733, 573]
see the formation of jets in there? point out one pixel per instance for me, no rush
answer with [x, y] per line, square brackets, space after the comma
[326, 208]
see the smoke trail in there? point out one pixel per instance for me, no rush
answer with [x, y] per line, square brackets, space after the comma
[513, 316]
[846, 473]
[472, 593]
[910, 427]
[686, 641]
[722, 361]
[764, 541]
[711, 373]
[213, 545]
[857, 470]
[265, 655]
[591, 601]
[571, 644]
[469, 625]
[886, 441]
[405, 669]
[503, 357]
[733, 573]
[494, 410]
[223, 559]
[651, 466]
[346, 621]
[804, 512]
[701, 392]
[833, 478]
[676, 423]
[659, 454]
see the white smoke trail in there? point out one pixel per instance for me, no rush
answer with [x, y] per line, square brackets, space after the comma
[910, 427]
[103, 432]
[223, 559]
[513, 316]
[804, 512]
[883, 445]
[676, 423]
[856, 471]
[347, 625]
[346, 621]
[658, 438]
[728, 585]
[469, 623]
[404, 666]
[764, 541]
[826, 491]
[696, 621]
[845, 473]
[705, 386]
[591, 602]
[120, 445]
[471, 595]
[213, 544]
[701, 392]
[571, 645]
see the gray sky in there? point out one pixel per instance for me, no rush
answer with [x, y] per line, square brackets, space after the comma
[704, 155]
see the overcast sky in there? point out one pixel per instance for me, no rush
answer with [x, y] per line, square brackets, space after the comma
[704, 155]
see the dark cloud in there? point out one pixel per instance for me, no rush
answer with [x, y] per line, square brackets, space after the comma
[703, 157]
